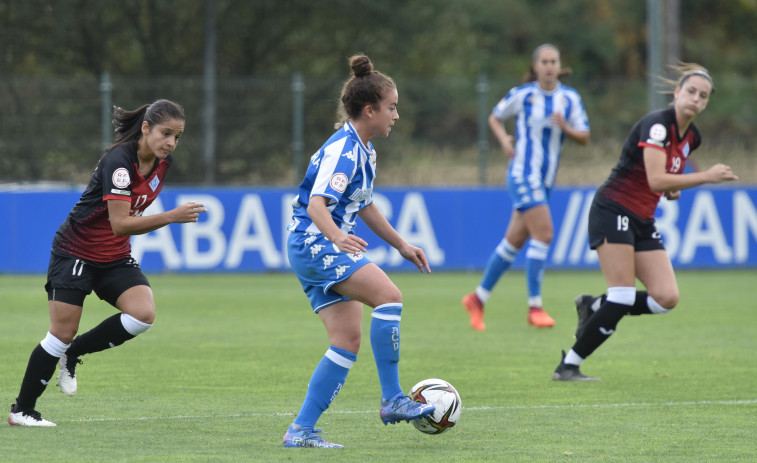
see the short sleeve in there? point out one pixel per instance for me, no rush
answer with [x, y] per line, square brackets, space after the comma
[336, 170]
[653, 133]
[509, 105]
[116, 173]
[578, 119]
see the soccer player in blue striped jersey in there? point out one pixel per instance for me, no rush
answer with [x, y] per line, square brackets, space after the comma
[328, 257]
[545, 112]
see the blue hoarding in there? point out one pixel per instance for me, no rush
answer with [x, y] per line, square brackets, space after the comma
[244, 228]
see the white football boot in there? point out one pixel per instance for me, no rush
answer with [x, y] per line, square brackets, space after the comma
[67, 375]
[27, 418]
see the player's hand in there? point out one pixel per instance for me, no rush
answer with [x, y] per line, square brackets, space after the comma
[188, 212]
[508, 148]
[416, 256]
[350, 243]
[673, 195]
[721, 173]
[557, 119]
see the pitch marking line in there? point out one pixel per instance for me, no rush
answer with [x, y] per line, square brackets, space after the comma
[484, 408]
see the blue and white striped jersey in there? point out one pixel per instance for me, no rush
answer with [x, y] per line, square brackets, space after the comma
[537, 140]
[343, 171]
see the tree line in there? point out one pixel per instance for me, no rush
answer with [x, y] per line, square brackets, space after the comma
[438, 49]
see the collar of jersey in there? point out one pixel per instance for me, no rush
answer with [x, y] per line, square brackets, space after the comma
[351, 128]
[548, 92]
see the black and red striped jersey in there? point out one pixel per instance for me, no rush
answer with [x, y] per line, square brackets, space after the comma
[627, 184]
[86, 232]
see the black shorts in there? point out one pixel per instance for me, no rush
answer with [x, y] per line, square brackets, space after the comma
[70, 279]
[613, 223]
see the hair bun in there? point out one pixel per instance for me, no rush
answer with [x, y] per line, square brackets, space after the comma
[360, 65]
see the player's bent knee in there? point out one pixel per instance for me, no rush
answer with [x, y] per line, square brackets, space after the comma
[143, 314]
[662, 303]
[347, 341]
[669, 301]
[134, 326]
[393, 296]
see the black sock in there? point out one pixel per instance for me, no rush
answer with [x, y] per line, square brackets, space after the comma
[39, 372]
[602, 298]
[109, 333]
[640, 306]
[600, 327]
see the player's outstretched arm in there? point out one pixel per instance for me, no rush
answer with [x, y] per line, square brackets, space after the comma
[124, 224]
[661, 180]
[381, 227]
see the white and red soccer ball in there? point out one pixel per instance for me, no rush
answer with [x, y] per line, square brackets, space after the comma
[444, 397]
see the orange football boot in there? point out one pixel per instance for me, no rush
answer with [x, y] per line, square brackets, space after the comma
[475, 308]
[539, 318]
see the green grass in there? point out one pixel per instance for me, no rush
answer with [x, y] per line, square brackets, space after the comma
[224, 369]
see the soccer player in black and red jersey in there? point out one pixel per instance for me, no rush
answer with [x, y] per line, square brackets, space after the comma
[92, 251]
[622, 224]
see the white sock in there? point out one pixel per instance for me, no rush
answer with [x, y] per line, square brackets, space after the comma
[571, 358]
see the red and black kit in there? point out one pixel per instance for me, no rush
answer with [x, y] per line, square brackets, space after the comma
[627, 184]
[86, 232]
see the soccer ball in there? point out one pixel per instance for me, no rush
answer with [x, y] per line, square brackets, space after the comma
[444, 397]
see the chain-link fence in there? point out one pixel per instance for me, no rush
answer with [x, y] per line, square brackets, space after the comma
[51, 128]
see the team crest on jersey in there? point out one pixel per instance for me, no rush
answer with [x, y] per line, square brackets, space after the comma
[154, 183]
[121, 178]
[339, 182]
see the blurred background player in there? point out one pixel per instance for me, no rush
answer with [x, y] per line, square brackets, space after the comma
[91, 251]
[328, 257]
[622, 218]
[545, 111]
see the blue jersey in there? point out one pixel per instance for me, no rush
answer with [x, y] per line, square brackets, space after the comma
[537, 140]
[343, 171]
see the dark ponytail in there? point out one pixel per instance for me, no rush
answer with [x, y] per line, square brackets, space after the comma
[128, 124]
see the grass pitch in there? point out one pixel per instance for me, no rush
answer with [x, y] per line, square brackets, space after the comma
[221, 374]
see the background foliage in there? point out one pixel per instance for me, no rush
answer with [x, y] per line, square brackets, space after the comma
[54, 52]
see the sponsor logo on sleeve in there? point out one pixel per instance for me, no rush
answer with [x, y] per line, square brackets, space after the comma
[121, 178]
[154, 183]
[657, 134]
[339, 182]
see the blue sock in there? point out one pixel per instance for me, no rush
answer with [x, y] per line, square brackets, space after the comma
[385, 341]
[326, 382]
[536, 258]
[499, 262]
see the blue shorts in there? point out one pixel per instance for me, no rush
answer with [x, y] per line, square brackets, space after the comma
[527, 193]
[319, 264]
